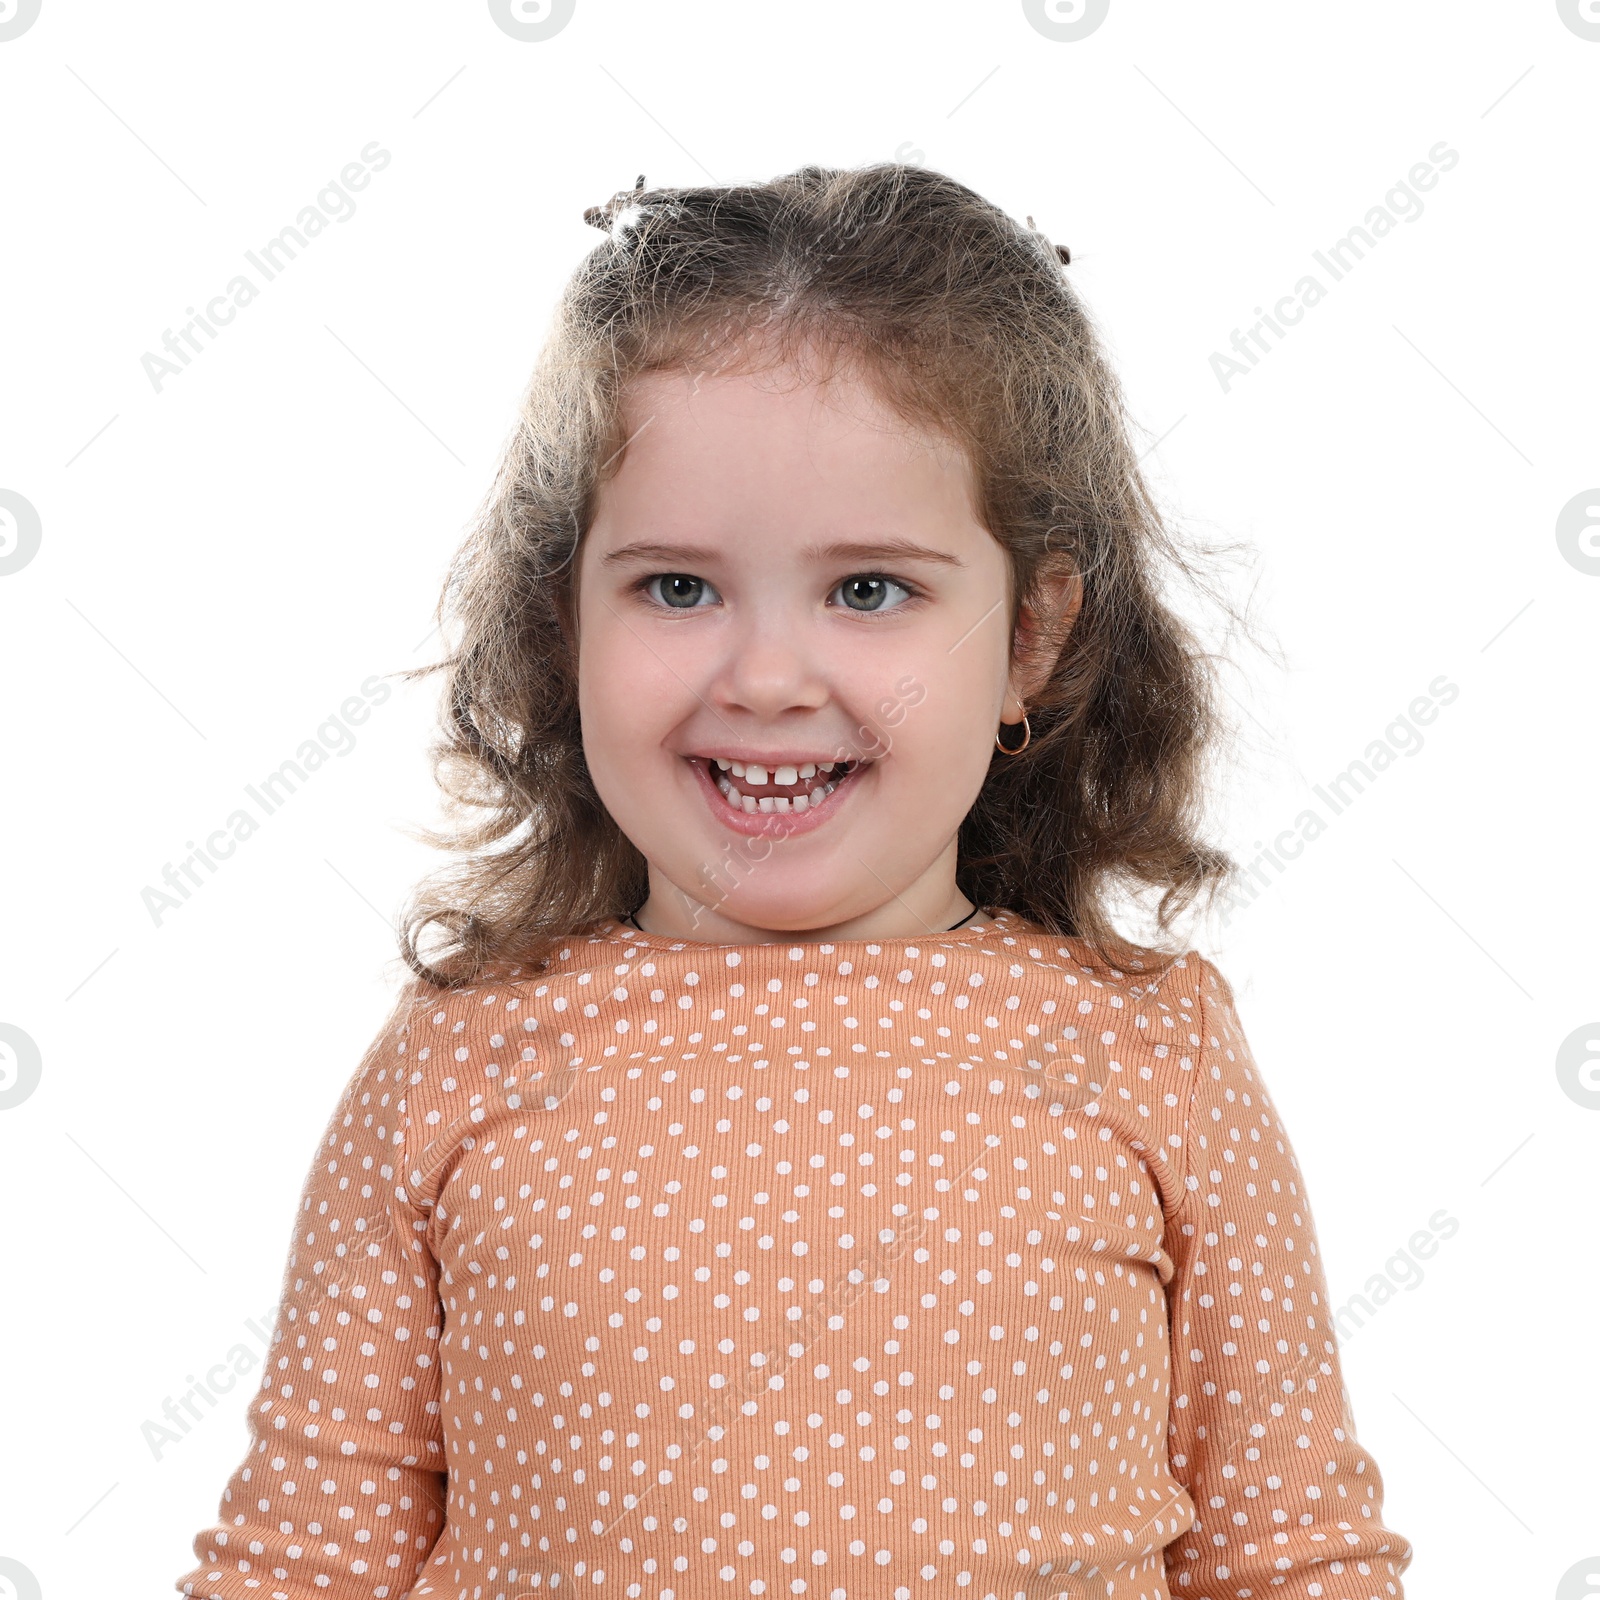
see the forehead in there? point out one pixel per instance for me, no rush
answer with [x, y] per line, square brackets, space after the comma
[780, 443]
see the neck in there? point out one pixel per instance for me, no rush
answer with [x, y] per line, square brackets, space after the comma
[958, 913]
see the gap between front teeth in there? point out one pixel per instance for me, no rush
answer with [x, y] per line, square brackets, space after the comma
[757, 773]
[780, 804]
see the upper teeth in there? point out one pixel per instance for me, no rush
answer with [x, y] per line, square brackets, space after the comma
[788, 776]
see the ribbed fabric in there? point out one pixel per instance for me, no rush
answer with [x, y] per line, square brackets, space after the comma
[876, 1270]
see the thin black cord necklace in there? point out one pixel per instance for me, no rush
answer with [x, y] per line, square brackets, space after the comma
[630, 917]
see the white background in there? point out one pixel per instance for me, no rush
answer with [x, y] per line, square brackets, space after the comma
[223, 562]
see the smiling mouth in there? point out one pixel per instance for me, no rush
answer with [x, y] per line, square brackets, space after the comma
[805, 787]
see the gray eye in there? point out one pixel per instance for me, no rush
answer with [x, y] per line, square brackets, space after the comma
[679, 589]
[867, 591]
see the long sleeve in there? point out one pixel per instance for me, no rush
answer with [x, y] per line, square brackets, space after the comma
[1262, 1433]
[341, 1492]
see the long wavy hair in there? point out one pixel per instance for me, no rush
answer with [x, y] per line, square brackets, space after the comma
[967, 324]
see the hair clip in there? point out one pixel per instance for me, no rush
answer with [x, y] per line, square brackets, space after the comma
[1061, 250]
[600, 216]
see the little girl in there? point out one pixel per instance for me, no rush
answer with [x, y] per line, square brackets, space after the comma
[783, 1179]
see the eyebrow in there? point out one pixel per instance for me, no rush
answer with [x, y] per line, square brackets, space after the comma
[851, 550]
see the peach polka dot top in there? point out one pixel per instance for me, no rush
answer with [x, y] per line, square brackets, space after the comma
[904, 1269]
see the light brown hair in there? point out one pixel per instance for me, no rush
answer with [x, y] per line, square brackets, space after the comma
[967, 324]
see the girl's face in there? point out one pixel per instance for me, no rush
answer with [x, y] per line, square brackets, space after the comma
[778, 576]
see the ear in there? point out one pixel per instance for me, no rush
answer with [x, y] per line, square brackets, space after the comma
[1042, 633]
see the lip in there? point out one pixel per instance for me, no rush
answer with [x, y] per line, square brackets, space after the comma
[770, 824]
[770, 762]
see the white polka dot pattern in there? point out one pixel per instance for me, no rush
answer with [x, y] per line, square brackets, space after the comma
[865, 1271]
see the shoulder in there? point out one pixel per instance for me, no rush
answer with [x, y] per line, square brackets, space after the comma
[1221, 1068]
[446, 1052]
[444, 1023]
[1172, 1014]
[434, 1013]
[1185, 981]
[1218, 1015]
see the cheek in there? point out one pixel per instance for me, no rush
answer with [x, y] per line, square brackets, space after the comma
[935, 715]
[627, 699]
[606, 708]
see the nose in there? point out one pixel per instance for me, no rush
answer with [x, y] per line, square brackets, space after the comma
[772, 662]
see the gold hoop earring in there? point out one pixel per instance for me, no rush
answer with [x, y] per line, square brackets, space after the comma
[1027, 734]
